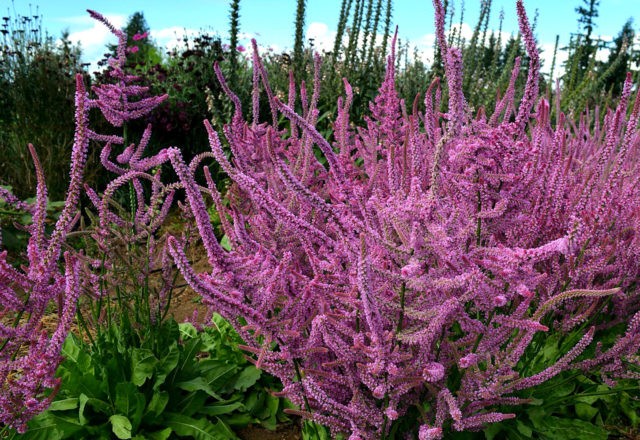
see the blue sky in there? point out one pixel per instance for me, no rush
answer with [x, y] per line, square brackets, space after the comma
[271, 21]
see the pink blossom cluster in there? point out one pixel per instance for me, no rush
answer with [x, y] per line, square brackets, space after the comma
[425, 244]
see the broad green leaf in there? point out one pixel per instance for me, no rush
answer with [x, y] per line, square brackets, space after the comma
[247, 378]
[192, 403]
[585, 411]
[630, 408]
[187, 330]
[130, 402]
[524, 429]
[49, 425]
[225, 243]
[221, 408]
[160, 435]
[270, 410]
[198, 384]
[83, 402]
[143, 363]
[64, 404]
[199, 429]
[44, 427]
[167, 364]
[157, 403]
[556, 428]
[313, 431]
[70, 349]
[121, 426]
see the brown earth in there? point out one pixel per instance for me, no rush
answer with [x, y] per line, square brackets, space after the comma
[287, 432]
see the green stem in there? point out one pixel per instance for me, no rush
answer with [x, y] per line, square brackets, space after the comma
[296, 365]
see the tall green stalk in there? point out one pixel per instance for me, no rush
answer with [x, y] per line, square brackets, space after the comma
[299, 37]
[345, 9]
[234, 17]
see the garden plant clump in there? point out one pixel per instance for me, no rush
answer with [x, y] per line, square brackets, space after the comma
[422, 274]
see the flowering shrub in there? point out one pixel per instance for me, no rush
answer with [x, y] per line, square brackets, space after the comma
[430, 253]
[411, 265]
[29, 355]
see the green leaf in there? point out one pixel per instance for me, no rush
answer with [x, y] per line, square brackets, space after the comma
[71, 349]
[524, 429]
[83, 399]
[585, 411]
[44, 427]
[160, 435]
[630, 408]
[167, 364]
[49, 425]
[130, 402]
[187, 330]
[64, 404]
[198, 384]
[121, 426]
[143, 363]
[158, 403]
[247, 378]
[221, 408]
[199, 429]
[556, 428]
[225, 243]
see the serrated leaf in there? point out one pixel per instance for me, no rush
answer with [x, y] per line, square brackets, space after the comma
[121, 426]
[143, 363]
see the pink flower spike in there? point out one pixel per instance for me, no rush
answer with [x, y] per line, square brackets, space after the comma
[468, 360]
[427, 433]
[433, 372]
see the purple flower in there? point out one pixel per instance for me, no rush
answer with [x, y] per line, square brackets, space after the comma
[138, 37]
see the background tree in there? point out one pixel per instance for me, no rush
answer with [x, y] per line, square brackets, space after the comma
[587, 14]
[142, 50]
[298, 44]
[621, 47]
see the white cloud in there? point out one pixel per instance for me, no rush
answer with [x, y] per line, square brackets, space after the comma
[94, 40]
[323, 38]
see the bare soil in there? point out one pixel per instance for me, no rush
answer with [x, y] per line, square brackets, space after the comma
[287, 432]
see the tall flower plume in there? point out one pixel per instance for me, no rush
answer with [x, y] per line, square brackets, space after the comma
[420, 249]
